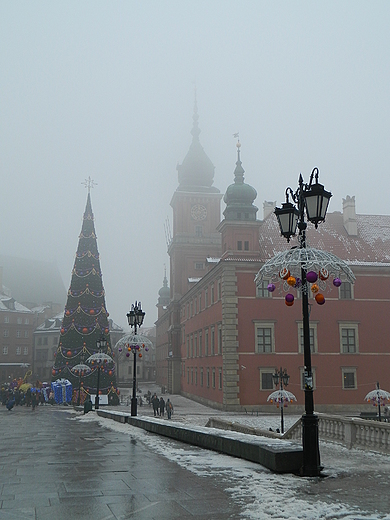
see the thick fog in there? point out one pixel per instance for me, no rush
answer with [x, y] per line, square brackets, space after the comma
[106, 89]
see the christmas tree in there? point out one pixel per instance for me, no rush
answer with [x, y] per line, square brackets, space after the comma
[85, 321]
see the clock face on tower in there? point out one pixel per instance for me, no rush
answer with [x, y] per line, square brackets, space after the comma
[198, 212]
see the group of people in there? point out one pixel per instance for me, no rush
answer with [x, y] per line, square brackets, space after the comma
[32, 397]
[160, 406]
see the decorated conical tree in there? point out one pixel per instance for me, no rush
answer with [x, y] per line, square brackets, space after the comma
[85, 320]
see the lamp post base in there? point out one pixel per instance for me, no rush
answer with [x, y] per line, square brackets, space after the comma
[96, 403]
[311, 453]
[133, 411]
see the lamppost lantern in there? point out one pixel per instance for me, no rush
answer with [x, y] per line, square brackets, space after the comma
[316, 200]
[287, 217]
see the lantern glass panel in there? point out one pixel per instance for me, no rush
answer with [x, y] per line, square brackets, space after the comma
[317, 201]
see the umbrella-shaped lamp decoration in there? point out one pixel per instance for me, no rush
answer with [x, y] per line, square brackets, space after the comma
[79, 371]
[378, 398]
[100, 360]
[281, 398]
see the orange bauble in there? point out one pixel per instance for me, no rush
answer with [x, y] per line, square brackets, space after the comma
[315, 288]
[320, 298]
[291, 280]
[289, 304]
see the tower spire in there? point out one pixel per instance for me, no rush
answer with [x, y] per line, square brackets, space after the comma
[195, 118]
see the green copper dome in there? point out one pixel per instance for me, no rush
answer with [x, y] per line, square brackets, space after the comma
[239, 196]
[164, 294]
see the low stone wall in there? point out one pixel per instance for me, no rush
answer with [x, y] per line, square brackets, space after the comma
[279, 456]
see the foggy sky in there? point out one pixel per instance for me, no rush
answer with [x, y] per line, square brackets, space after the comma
[106, 89]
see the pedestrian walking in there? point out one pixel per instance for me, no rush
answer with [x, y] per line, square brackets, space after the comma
[33, 400]
[169, 409]
[162, 406]
[155, 404]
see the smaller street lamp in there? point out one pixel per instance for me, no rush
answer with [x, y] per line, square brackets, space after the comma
[100, 345]
[283, 378]
[135, 318]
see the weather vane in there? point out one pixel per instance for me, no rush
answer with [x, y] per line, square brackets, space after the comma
[89, 183]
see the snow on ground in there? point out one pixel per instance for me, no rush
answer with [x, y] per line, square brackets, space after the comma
[345, 494]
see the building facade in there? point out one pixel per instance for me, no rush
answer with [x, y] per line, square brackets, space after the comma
[16, 333]
[220, 338]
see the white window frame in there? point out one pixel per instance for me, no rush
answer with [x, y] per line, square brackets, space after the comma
[264, 370]
[355, 327]
[348, 370]
[265, 325]
[262, 291]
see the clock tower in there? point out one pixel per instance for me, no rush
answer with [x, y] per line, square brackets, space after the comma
[196, 207]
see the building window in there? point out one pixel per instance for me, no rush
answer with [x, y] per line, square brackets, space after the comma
[220, 378]
[18, 320]
[18, 333]
[206, 342]
[26, 321]
[6, 333]
[219, 290]
[349, 339]
[195, 345]
[265, 341]
[26, 333]
[246, 245]
[6, 319]
[200, 302]
[219, 339]
[266, 381]
[188, 375]
[198, 231]
[302, 377]
[188, 310]
[41, 355]
[191, 309]
[262, 290]
[192, 376]
[201, 377]
[195, 306]
[212, 341]
[349, 378]
[200, 344]
[213, 378]
[18, 351]
[25, 351]
[212, 294]
[208, 378]
[206, 299]
[192, 346]
[188, 347]
[313, 337]
[239, 245]
[5, 350]
[45, 340]
[39, 342]
[345, 291]
[196, 376]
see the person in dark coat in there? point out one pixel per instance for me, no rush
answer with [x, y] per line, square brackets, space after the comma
[87, 405]
[155, 403]
[34, 400]
[162, 406]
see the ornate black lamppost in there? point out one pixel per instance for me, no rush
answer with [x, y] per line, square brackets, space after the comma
[281, 377]
[100, 345]
[313, 200]
[135, 317]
